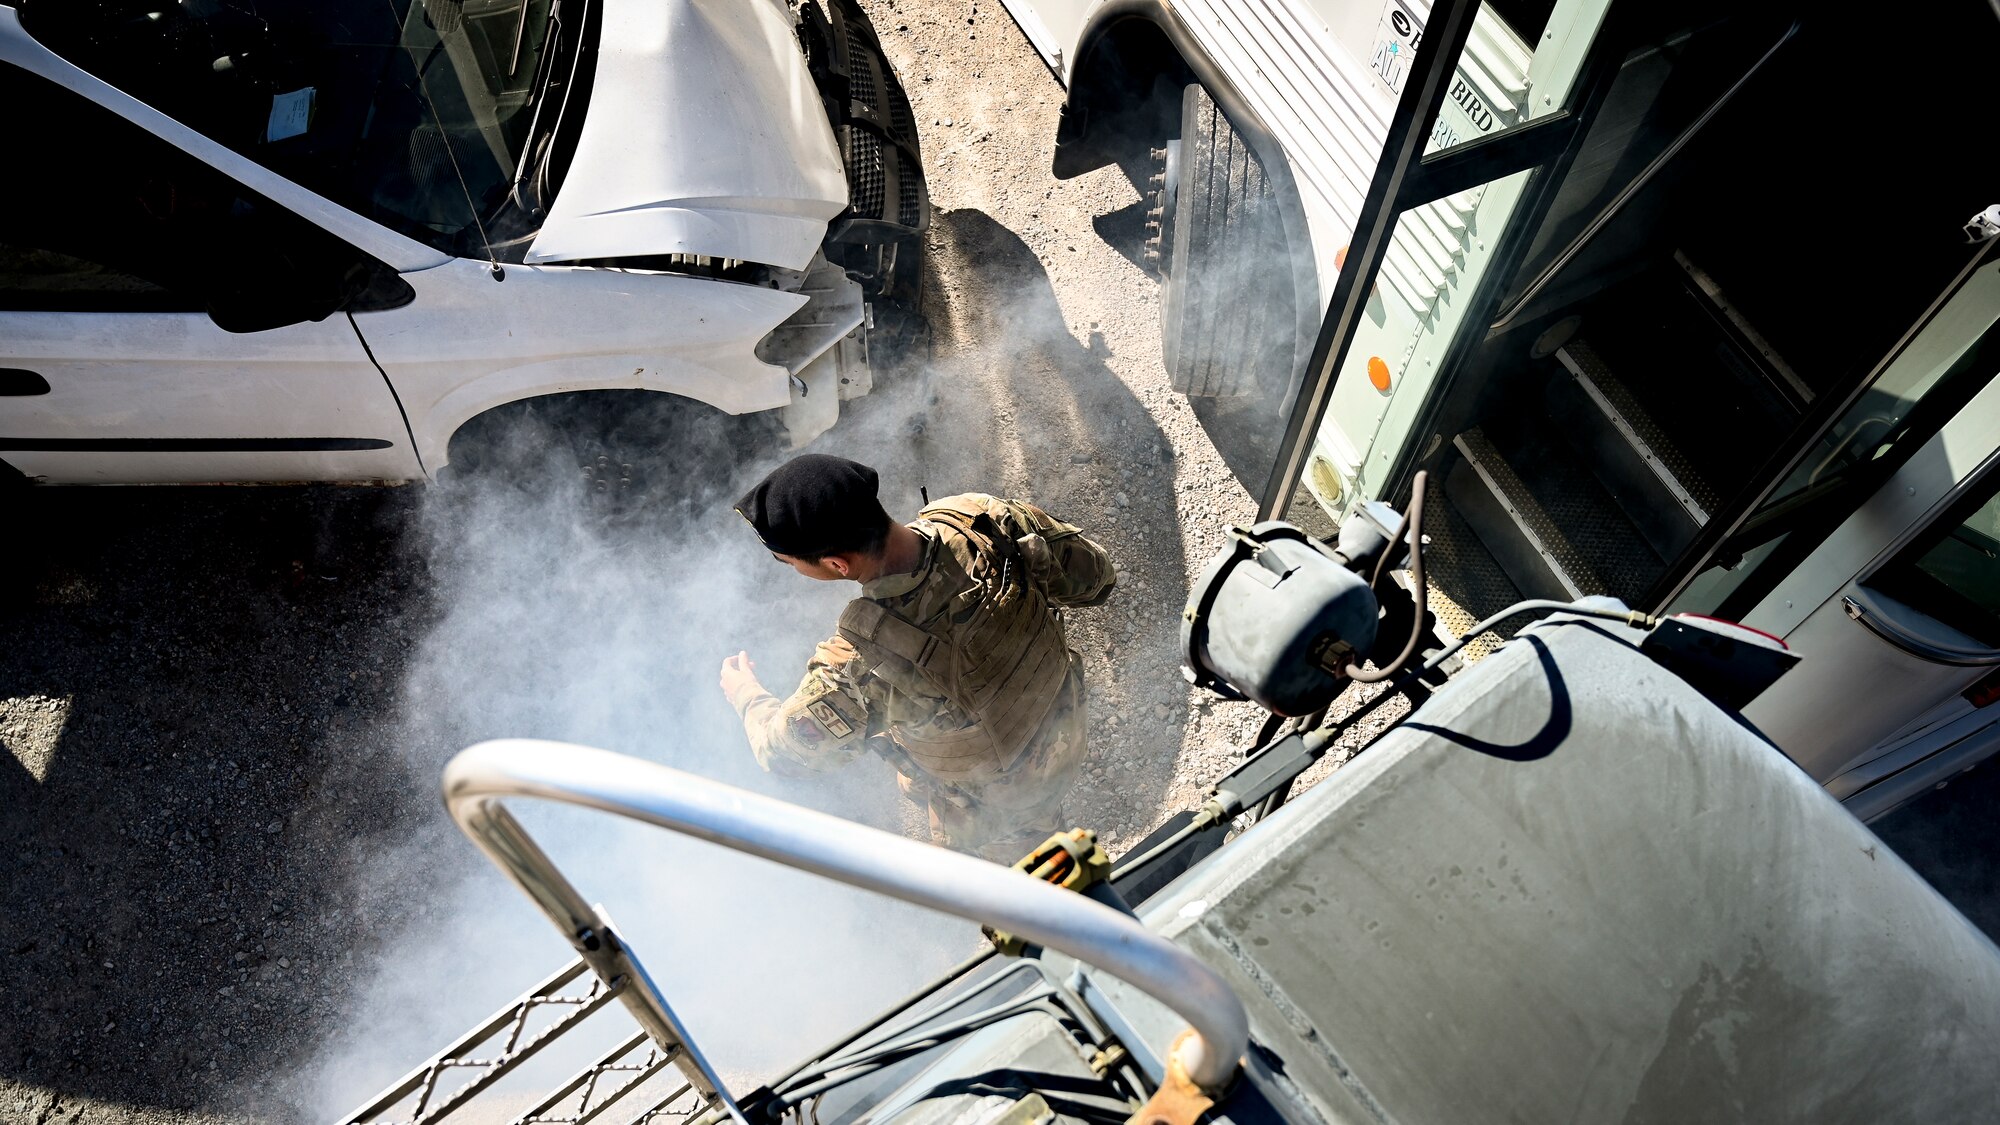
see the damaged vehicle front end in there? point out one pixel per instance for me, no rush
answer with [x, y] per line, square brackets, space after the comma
[314, 242]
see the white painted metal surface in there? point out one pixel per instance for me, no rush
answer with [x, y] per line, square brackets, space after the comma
[705, 135]
[176, 376]
[1052, 27]
[1324, 76]
[1441, 249]
[962, 885]
[1321, 103]
[468, 343]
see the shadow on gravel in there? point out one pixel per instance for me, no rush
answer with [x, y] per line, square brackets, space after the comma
[1247, 432]
[1024, 408]
[230, 886]
[1124, 230]
[190, 684]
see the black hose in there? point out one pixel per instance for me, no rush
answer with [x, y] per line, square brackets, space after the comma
[1414, 677]
[1412, 526]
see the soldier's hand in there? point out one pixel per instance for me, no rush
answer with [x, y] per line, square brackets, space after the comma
[739, 678]
[1041, 560]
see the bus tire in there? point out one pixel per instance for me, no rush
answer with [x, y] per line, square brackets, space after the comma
[1226, 312]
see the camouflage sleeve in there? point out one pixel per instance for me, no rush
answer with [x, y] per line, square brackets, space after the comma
[1071, 569]
[826, 722]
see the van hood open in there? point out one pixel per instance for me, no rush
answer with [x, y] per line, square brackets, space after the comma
[705, 135]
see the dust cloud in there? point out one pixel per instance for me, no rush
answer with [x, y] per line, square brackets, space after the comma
[560, 617]
[557, 618]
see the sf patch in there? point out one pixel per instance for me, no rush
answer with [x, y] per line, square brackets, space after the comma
[829, 718]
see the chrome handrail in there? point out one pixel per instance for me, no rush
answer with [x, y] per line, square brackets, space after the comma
[481, 776]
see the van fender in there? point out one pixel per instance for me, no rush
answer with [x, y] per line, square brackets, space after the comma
[468, 344]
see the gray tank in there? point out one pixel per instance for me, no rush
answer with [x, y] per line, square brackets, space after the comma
[1568, 887]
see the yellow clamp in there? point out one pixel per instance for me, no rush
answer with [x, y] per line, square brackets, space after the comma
[1071, 860]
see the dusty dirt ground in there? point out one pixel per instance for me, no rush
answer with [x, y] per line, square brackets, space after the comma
[201, 689]
[209, 695]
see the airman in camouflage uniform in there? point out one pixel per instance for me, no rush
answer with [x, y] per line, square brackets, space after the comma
[952, 664]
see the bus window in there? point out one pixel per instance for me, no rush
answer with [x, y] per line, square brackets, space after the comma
[1519, 63]
[1952, 574]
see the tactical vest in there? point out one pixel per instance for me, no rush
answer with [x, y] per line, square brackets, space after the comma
[1002, 663]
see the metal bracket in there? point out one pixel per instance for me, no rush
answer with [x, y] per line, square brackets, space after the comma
[1071, 860]
[1983, 226]
[1178, 1101]
[488, 1052]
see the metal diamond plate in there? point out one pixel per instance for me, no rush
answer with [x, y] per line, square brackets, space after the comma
[1466, 584]
[1544, 533]
[1585, 363]
[1593, 533]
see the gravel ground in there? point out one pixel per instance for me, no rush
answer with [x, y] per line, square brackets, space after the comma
[190, 685]
[225, 708]
[204, 690]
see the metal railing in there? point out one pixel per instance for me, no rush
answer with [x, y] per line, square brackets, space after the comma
[482, 776]
[489, 1052]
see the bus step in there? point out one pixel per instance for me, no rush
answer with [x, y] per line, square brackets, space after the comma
[1521, 537]
[1466, 584]
[1750, 343]
[1652, 482]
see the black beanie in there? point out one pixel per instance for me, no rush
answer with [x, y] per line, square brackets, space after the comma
[815, 505]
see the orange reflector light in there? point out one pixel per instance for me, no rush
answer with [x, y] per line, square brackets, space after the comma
[1340, 258]
[1378, 373]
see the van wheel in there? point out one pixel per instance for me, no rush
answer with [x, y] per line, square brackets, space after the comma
[1226, 312]
[615, 452]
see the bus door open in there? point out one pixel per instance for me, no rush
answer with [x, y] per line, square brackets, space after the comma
[1706, 257]
[1896, 607]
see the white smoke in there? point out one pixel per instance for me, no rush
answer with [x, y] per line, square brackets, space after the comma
[559, 620]
[553, 622]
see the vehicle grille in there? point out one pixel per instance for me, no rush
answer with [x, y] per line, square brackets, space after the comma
[863, 81]
[878, 139]
[902, 122]
[866, 179]
[910, 206]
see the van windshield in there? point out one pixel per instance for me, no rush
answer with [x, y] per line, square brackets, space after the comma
[433, 117]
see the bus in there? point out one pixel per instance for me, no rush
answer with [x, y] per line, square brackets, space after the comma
[1693, 304]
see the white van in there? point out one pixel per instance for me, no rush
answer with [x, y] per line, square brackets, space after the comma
[311, 241]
